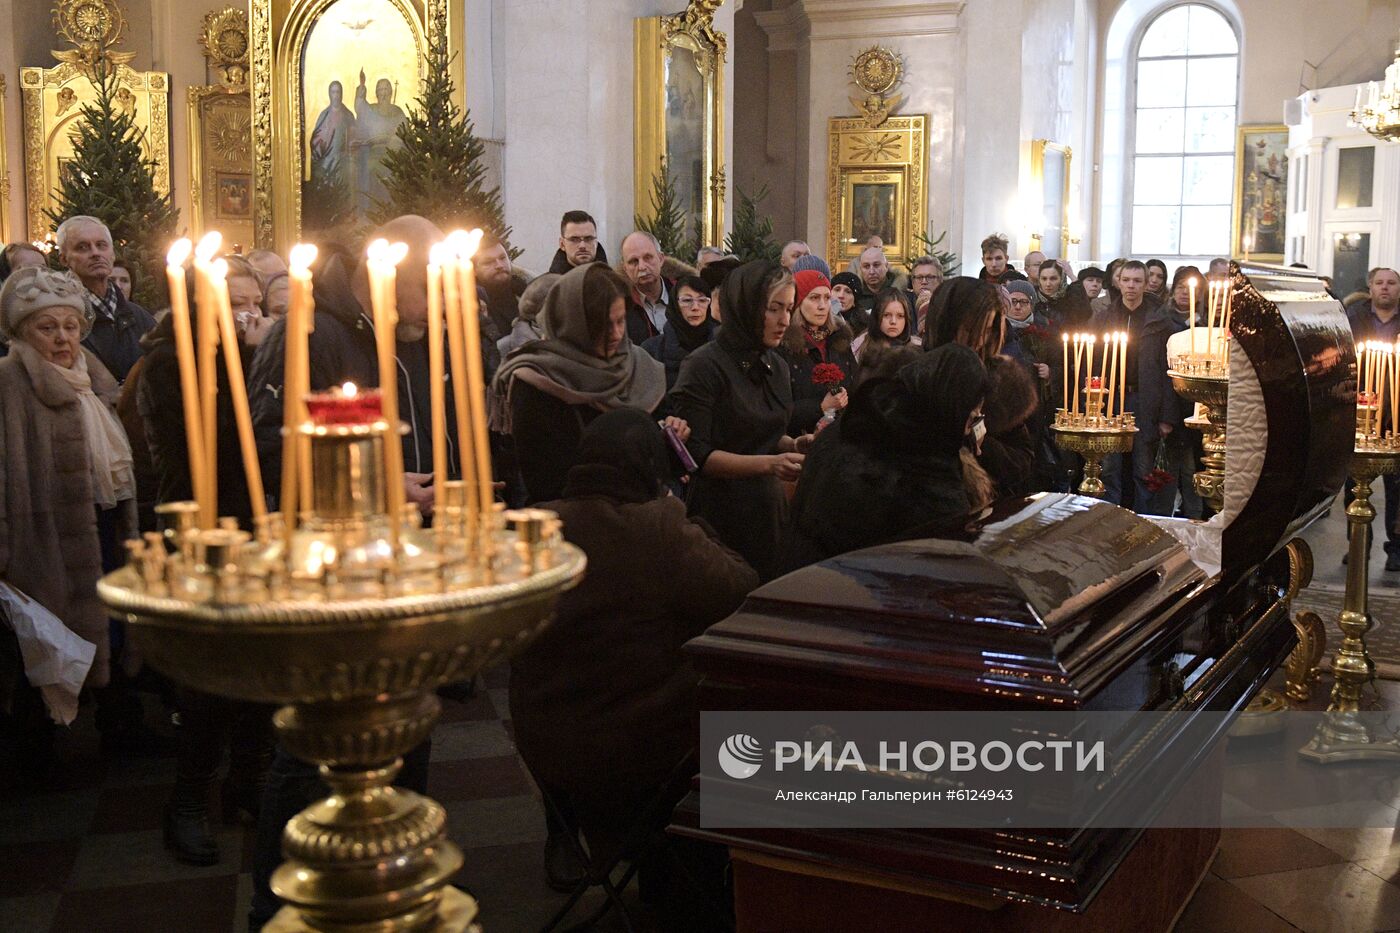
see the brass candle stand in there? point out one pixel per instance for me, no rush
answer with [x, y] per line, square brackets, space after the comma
[1206, 382]
[1094, 436]
[1344, 734]
[352, 636]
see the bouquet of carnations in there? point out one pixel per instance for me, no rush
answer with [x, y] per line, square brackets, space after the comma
[1159, 477]
[829, 375]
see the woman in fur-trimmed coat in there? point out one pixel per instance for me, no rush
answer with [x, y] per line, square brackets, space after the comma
[816, 336]
[53, 393]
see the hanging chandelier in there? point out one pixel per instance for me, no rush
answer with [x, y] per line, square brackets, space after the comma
[1377, 109]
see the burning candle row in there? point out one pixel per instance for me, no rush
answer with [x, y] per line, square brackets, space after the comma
[1379, 382]
[199, 383]
[452, 307]
[1220, 302]
[1110, 380]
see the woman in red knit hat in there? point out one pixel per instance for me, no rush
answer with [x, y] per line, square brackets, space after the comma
[817, 347]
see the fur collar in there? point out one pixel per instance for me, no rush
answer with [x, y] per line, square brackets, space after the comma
[51, 388]
[838, 341]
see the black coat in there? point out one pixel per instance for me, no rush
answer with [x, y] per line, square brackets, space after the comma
[158, 399]
[639, 327]
[666, 348]
[559, 265]
[802, 359]
[343, 350]
[117, 341]
[1148, 330]
[848, 499]
[546, 431]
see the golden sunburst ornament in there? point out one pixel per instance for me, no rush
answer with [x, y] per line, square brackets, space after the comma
[231, 134]
[877, 71]
[93, 27]
[872, 147]
[225, 41]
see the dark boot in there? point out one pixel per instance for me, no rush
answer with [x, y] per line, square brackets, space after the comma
[187, 833]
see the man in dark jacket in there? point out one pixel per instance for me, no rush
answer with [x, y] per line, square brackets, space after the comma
[496, 277]
[1150, 396]
[578, 243]
[650, 292]
[1379, 319]
[995, 268]
[85, 247]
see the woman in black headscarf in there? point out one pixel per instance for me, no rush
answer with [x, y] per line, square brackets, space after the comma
[736, 396]
[548, 391]
[603, 736]
[688, 326]
[968, 312]
[891, 463]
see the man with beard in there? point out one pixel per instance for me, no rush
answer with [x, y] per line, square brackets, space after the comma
[578, 243]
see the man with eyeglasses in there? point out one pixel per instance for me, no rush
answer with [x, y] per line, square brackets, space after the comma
[578, 243]
[925, 275]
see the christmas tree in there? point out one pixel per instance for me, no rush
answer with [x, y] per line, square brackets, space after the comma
[667, 221]
[752, 236]
[437, 170]
[111, 178]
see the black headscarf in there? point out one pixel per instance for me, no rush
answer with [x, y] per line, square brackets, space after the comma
[953, 296]
[622, 455]
[923, 409]
[744, 303]
[690, 336]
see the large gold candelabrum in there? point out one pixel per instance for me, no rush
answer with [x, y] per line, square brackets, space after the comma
[1346, 734]
[1094, 436]
[1206, 382]
[343, 609]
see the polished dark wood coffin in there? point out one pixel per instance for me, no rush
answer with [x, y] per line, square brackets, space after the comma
[1049, 603]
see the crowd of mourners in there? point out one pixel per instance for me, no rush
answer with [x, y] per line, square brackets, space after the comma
[700, 429]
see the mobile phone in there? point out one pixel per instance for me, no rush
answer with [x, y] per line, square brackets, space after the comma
[678, 448]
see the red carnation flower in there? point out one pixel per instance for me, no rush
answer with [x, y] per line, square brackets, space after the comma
[1157, 480]
[828, 374]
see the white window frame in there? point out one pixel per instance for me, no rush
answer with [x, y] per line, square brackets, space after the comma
[1130, 153]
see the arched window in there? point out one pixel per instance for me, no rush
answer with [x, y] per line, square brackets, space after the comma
[1187, 86]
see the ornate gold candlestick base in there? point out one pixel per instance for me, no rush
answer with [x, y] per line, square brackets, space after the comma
[1345, 735]
[1211, 392]
[351, 633]
[1094, 437]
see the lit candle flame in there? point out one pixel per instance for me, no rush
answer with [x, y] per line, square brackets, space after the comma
[396, 254]
[218, 269]
[179, 252]
[465, 244]
[349, 390]
[208, 246]
[378, 250]
[440, 255]
[302, 256]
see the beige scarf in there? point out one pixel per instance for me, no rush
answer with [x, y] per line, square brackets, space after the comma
[109, 452]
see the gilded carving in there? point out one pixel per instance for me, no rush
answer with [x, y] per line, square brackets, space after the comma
[876, 185]
[221, 132]
[678, 100]
[877, 71]
[53, 98]
[4, 170]
[280, 154]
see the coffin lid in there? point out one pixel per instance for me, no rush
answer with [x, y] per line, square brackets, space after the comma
[1040, 602]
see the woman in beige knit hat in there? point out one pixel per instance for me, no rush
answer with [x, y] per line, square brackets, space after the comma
[66, 486]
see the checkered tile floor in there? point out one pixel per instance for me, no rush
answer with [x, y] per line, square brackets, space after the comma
[87, 856]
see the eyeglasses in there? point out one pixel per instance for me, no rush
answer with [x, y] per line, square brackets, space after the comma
[925, 278]
[694, 300]
[1020, 302]
[580, 240]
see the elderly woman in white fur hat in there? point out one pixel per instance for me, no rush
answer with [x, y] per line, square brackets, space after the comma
[67, 495]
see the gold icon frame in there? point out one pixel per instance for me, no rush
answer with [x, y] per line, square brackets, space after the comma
[894, 154]
[280, 30]
[1053, 202]
[659, 42]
